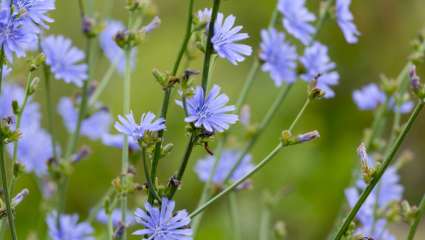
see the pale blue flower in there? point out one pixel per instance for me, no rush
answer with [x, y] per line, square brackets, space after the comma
[93, 126]
[102, 217]
[209, 112]
[113, 52]
[117, 141]
[204, 16]
[226, 163]
[127, 125]
[69, 228]
[65, 60]
[279, 57]
[316, 61]
[345, 21]
[17, 35]
[297, 19]
[225, 39]
[154, 24]
[36, 10]
[162, 223]
[5, 72]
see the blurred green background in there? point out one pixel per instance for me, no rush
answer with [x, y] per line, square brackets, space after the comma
[315, 173]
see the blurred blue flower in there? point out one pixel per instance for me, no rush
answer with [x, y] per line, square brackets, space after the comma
[154, 24]
[117, 141]
[209, 112]
[162, 223]
[69, 228]
[279, 57]
[225, 38]
[297, 19]
[127, 125]
[102, 217]
[36, 10]
[229, 158]
[371, 96]
[316, 61]
[93, 126]
[5, 72]
[204, 16]
[113, 52]
[345, 21]
[64, 59]
[17, 34]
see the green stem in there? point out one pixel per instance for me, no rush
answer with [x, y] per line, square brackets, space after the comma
[415, 223]
[151, 186]
[10, 216]
[102, 85]
[300, 113]
[230, 188]
[388, 159]
[264, 233]
[49, 104]
[168, 91]
[95, 210]
[183, 164]
[234, 215]
[209, 48]
[323, 15]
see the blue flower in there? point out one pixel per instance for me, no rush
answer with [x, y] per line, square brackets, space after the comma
[297, 19]
[228, 159]
[35, 10]
[116, 217]
[279, 57]
[345, 21]
[127, 125]
[204, 16]
[69, 228]
[5, 72]
[225, 40]
[17, 35]
[316, 61]
[93, 126]
[371, 96]
[114, 53]
[162, 223]
[117, 141]
[209, 112]
[64, 59]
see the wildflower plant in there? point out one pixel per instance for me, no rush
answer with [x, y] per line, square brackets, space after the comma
[143, 204]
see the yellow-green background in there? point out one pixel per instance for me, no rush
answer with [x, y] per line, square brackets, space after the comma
[316, 173]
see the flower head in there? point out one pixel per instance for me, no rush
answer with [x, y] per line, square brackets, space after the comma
[225, 40]
[64, 59]
[162, 223]
[227, 162]
[69, 228]
[17, 34]
[297, 19]
[279, 57]
[345, 21]
[210, 112]
[93, 126]
[36, 10]
[127, 125]
[316, 61]
[113, 52]
[116, 217]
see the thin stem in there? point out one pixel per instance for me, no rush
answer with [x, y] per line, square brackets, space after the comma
[102, 85]
[49, 104]
[151, 186]
[209, 48]
[323, 15]
[415, 223]
[230, 188]
[10, 216]
[300, 113]
[388, 159]
[183, 164]
[168, 91]
[264, 232]
[234, 215]
[95, 210]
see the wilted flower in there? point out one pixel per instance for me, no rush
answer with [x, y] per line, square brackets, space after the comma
[226, 37]
[205, 167]
[162, 223]
[113, 52]
[209, 112]
[93, 126]
[297, 19]
[345, 21]
[69, 228]
[316, 61]
[17, 35]
[64, 59]
[279, 57]
[127, 125]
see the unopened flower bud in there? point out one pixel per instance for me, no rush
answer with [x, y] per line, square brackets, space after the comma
[315, 92]
[33, 86]
[15, 107]
[83, 153]
[20, 197]
[160, 77]
[367, 171]
[155, 23]
[37, 61]
[307, 137]
[119, 231]
[91, 27]
[287, 138]
[415, 82]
